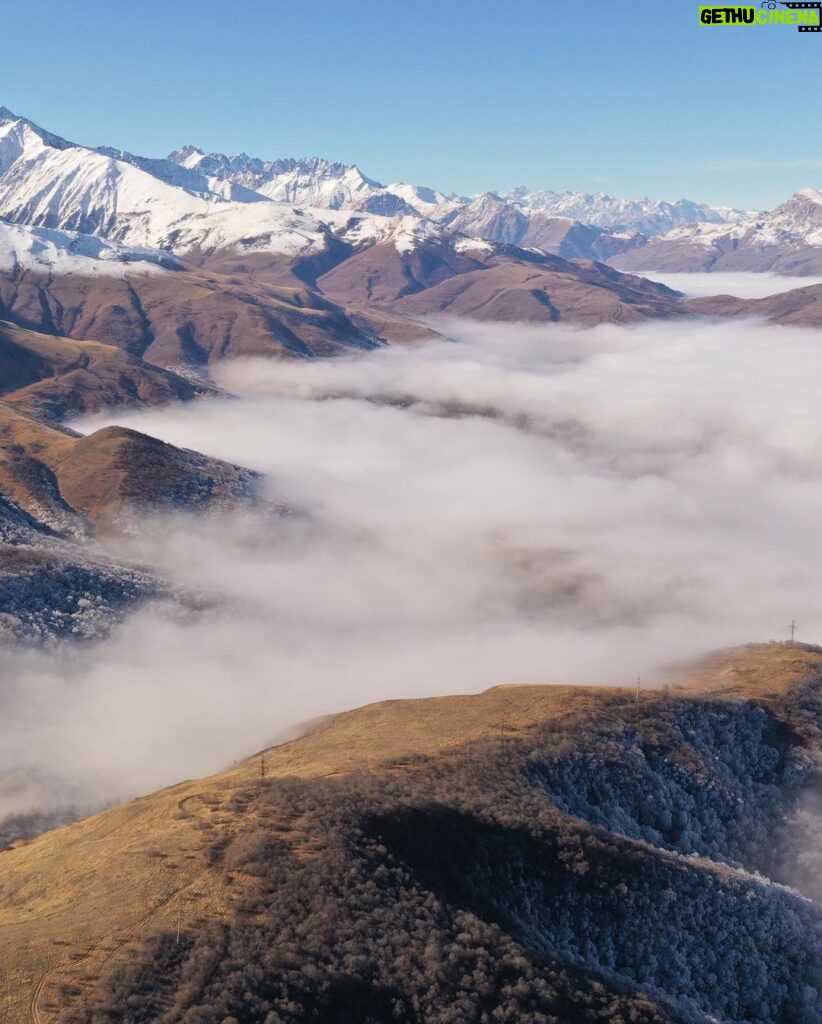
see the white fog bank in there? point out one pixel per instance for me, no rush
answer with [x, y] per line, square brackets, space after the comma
[523, 504]
[743, 285]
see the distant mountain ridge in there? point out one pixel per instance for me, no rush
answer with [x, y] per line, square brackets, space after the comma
[191, 200]
[313, 181]
[190, 263]
[106, 191]
[383, 254]
[787, 240]
[47, 182]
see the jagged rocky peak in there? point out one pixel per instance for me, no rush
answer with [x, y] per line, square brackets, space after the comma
[186, 155]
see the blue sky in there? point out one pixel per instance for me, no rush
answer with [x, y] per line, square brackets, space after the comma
[630, 97]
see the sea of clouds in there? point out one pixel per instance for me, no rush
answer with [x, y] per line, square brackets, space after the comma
[510, 504]
[741, 284]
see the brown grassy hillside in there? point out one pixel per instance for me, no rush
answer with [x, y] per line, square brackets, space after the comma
[190, 316]
[78, 903]
[72, 898]
[504, 284]
[55, 377]
[59, 477]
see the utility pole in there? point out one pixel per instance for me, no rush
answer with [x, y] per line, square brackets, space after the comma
[262, 767]
[793, 629]
[638, 680]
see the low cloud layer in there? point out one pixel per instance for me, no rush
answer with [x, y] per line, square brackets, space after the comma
[520, 504]
[743, 285]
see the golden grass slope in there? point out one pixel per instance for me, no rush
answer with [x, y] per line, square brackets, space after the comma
[55, 474]
[189, 316]
[800, 307]
[54, 377]
[72, 898]
[508, 285]
[755, 671]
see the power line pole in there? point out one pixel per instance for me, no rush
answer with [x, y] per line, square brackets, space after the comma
[793, 629]
[638, 680]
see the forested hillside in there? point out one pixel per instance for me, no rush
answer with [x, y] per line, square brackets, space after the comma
[648, 859]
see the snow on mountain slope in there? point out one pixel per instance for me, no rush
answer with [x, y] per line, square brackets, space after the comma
[407, 233]
[196, 204]
[311, 181]
[492, 217]
[799, 219]
[648, 216]
[190, 179]
[77, 189]
[278, 228]
[574, 224]
[321, 184]
[24, 248]
[787, 239]
[54, 184]
[796, 221]
[315, 182]
[426, 201]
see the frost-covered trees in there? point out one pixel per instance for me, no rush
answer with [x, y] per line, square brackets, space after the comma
[594, 872]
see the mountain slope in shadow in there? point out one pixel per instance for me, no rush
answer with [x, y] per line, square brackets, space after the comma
[530, 854]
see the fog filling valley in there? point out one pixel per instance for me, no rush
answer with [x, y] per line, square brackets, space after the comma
[743, 285]
[513, 505]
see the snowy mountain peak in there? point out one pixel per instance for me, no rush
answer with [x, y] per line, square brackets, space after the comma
[304, 182]
[27, 128]
[419, 194]
[785, 239]
[16, 138]
[186, 156]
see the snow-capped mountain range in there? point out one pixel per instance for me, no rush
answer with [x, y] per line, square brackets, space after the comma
[48, 182]
[321, 183]
[193, 203]
[192, 199]
[515, 217]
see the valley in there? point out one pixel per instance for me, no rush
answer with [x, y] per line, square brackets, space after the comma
[358, 544]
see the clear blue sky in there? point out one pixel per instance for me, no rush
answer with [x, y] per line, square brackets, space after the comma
[631, 97]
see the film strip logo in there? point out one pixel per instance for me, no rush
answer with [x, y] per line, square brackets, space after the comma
[802, 7]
